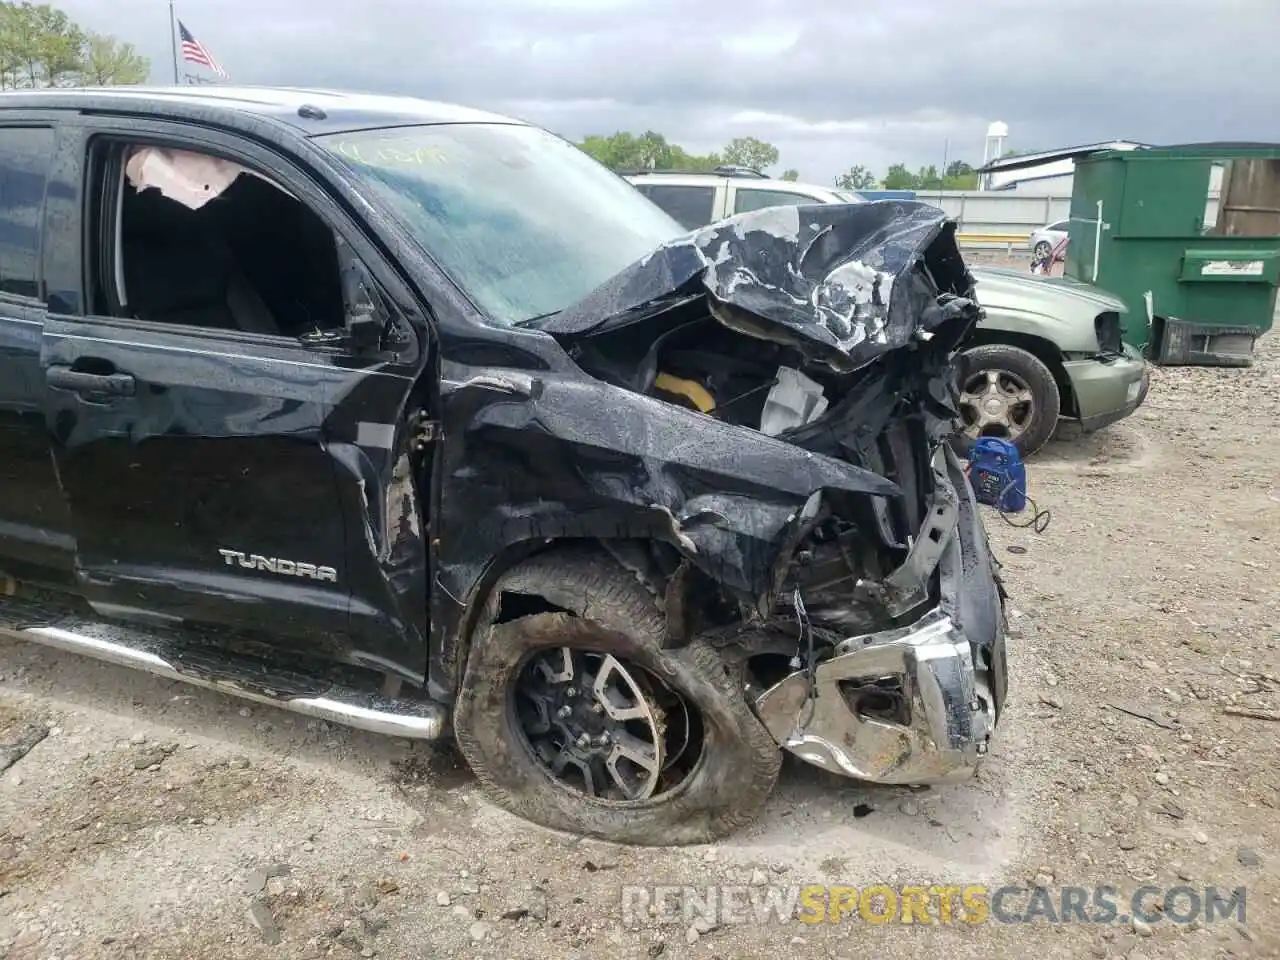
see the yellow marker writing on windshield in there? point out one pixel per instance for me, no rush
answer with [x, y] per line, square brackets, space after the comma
[391, 156]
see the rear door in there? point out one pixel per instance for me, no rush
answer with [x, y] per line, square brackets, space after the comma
[214, 475]
[35, 524]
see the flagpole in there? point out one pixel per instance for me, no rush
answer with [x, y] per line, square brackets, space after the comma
[173, 41]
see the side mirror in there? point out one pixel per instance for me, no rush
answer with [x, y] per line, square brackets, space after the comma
[366, 318]
[364, 330]
[366, 321]
[365, 326]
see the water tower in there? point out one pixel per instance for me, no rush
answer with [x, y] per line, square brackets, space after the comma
[994, 147]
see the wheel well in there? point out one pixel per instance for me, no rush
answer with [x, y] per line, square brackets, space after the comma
[1046, 351]
[517, 605]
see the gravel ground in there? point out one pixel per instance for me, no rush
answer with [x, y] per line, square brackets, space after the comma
[159, 821]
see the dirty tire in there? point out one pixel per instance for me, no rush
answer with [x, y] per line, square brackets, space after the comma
[612, 613]
[1038, 378]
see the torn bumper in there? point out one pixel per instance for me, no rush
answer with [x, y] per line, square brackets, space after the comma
[1108, 392]
[915, 704]
[949, 710]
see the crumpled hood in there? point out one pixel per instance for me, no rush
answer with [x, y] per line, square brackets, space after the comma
[836, 281]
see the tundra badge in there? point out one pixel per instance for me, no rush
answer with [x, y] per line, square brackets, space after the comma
[288, 568]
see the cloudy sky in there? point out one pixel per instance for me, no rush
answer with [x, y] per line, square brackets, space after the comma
[830, 82]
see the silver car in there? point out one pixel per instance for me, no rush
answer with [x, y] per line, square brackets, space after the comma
[1048, 237]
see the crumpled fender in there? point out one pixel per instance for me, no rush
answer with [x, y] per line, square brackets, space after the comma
[725, 496]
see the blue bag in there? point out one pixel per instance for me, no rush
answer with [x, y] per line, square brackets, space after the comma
[998, 475]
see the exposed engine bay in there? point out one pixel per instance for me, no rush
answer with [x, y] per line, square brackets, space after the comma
[703, 366]
[869, 386]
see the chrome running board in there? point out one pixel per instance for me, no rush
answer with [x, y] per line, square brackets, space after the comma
[242, 677]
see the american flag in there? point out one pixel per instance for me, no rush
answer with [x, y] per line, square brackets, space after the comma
[194, 50]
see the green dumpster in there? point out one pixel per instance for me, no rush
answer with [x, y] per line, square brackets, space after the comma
[1145, 226]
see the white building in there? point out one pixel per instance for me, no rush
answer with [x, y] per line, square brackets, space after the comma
[1046, 174]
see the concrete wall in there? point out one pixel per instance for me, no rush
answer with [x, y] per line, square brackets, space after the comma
[998, 212]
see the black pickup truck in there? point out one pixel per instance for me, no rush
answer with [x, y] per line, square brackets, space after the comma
[416, 419]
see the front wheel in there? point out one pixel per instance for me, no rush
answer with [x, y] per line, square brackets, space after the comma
[1043, 250]
[1007, 393]
[573, 714]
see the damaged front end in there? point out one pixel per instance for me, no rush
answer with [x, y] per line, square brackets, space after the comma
[753, 422]
[915, 703]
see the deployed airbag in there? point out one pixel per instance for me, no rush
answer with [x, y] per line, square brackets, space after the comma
[192, 179]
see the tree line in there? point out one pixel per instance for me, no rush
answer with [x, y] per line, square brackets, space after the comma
[652, 151]
[40, 46]
[957, 175]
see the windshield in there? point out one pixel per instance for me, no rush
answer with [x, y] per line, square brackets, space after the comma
[521, 220]
[847, 196]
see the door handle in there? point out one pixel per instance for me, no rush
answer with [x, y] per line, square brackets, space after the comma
[110, 384]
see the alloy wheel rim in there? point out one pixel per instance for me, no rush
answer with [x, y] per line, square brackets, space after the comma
[602, 725]
[997, 402]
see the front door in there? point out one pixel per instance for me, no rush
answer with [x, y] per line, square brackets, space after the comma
[191, 400]
[194, 464]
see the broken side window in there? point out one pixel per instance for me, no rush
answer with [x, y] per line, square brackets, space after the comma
[202, 241]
